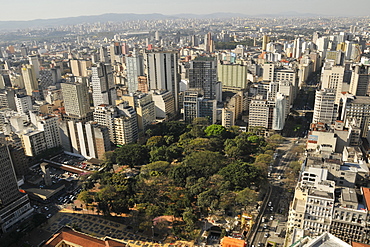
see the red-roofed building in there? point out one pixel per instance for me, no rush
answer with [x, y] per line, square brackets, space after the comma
[69, 237]
[366, 193]
[355, 244]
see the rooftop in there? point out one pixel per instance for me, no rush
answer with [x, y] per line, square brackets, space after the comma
[67, 235]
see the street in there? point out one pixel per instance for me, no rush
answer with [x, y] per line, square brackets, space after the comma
[270, 226]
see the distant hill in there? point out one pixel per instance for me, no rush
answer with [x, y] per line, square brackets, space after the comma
[211, 16]
[8, 25]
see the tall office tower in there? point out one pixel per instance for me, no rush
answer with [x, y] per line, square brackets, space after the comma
[208, 42]
[316, 35]
[14, 206]
[56, 74]
[261, 113]
[232, 76]
[120, 120]
[103, 55]
[273, 90]
[46, 79]
[279, 113]
[297, 52]
[265, 41]
[359, 81]
[125, 126]
[164, 105]
[104, 91]
[104, 115]
[17, 155]
[268, 71]
[156, 35]
[125, 48]
[7, 99]
[194, 40]
[80, 67]
[325, 109]
[144, 106]
[115, 49]
[356, 112]
[162, 71]
[332, 77]
[29, 79]
[23, 103]
[33, 142]
[90, 139]
[49, 125]
[203, 75]
[76, 99]
[197, 106]
[134, 68]
[34, 61]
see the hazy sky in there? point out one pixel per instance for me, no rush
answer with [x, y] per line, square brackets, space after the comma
[45, 9]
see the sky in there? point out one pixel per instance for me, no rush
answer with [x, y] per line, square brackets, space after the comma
[46, 9]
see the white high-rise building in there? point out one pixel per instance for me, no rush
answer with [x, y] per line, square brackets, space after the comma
[325, 109]
[161, 69]
[332, 77]
[279, 112]
[134, 68]
[23, 103]
[49, 124]
[104, 91]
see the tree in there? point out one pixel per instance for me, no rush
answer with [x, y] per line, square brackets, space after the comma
[204, 163]
[240, 175]
[246, 197]
[156, 142]
[162, 167]
[276, 138]
[264, 158]
[132, 155]
[85, 197]
[215, 130]
[197, 144]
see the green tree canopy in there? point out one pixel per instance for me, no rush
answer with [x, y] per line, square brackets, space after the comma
[215, 130]
[132, 155]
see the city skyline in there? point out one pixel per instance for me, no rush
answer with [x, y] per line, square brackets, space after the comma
[42, 9]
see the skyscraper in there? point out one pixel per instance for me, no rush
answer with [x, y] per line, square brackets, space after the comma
[203, 75]
[29, 79]
[325, 109]
[34, 61]
[134, 68]
[76, 99]
[162, 71]
[104, 91]
[14, 206]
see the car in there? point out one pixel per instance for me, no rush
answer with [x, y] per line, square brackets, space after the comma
[48, 216]
[270, 203]
[266, 235]
[272, 209]
[264, 226]
[271, 217]
[260, 244]
[263, 219]
[46, 208]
